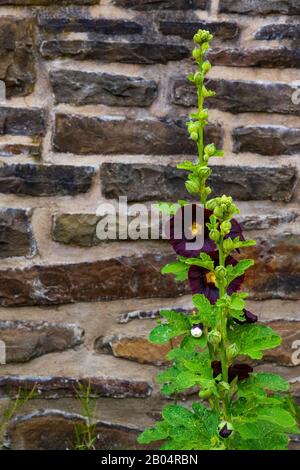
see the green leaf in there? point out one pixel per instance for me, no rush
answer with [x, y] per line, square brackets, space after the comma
[163, 333]
[251, 340]
[278, 416]
[177, 415]
[268, 381]
[169, 208]
[258, 436]
[159, 432]
[236, 271]
[237, 301]
[189, 343]
[204, 261]
[179, 269]
[187, 165]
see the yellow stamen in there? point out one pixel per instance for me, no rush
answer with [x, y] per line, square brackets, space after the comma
[196, 229]
[211, 278]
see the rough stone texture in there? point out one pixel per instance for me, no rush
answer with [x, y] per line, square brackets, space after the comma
[45, 180]
[279, 57]
[133, 344]
[17, 68]
[277, 267]
[255, 7]
[138, 52]
[265, 221]
[162, 4]
[48, 2]
[279, 31]
[237, 96]
[93, 135]
[81, 229]
[53, 24]
[16, 237]
[267, 140]
[82, 88]
[186, 29]
[140, 182]
[111, 279]
[25, 150]
[22, 121]
[26, 340]
[55, 387]
[54, 430]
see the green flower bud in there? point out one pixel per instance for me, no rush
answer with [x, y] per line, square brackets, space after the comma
[211, 204]
[204, 172]
[214, 235]
[206, 67]
[205, 394]
[194, 136]
[232, 351]
[210, 149]
[192, 187]
[228, 245]
[225, 227]
[197, 54]
[214, 337]
[198, 78]
[218, 212]
[220, 272]
[197, 38]
[208, 191]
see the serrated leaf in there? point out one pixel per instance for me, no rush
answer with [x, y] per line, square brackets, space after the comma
[251, 340]
[163, 333]
[268, 381]
[277, 416]
[204, 261]
[179, 269]
[189, 343]
[238, 270]
[187, 165]
[169, 208]
[159, 432]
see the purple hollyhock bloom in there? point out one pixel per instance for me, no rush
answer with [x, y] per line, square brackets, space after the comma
[225, 432]
[249, 318]
[195, 212]
[241, 371]
[203, 281]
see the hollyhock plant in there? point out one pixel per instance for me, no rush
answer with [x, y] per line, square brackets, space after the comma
[237, 407]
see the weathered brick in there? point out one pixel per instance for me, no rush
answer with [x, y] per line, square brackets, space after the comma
[16, 237]
[110, 279]
[276, 273]
[26, 340]
[48, 22]
[64, 386]
[279, 57]
[163, 4]
[81, 88]
[134, 52]
[25, 150]
[81, 229]
[140, 182]
[22, 121]
[186, 29]
[55, 430]
[279, 31]
[266, 140]
[258, 7]
[45, 180]
[120, 135]
[48, 2]
[17, 64]
[239, 96]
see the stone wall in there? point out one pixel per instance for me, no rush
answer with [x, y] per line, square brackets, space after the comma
[95, 109]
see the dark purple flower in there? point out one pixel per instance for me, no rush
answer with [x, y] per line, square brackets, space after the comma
[249, 318]
[241, 371]
[225, 432]
[189, 233]
[203, 281]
